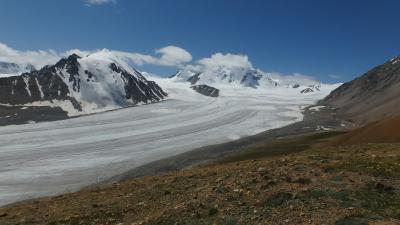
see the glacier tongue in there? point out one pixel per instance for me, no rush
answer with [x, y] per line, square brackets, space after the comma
[59, 156]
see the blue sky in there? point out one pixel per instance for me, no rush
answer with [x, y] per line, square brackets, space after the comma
[330, 40]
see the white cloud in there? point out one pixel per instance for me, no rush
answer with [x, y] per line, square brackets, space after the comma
[295, 78]
[37, 58]
[333, 76]
[226, 60]
[137, 58]
[78, 52]
[230, 61]
[99, 2]
[171, 56]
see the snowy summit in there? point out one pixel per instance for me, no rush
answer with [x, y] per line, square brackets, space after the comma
[97, 82]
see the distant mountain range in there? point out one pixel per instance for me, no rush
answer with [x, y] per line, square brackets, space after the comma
[103, 81]
[227, 76]
[77, 84]
[373, 96]
[245, 77]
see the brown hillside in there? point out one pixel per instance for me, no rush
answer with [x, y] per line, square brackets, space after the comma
[384, 131]
[373, 96]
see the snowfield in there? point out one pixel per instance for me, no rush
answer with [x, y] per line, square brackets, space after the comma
[55, 157]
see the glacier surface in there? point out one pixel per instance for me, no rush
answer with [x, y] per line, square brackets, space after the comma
[50, 158]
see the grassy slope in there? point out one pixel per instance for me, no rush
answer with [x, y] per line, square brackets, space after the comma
[320, 185]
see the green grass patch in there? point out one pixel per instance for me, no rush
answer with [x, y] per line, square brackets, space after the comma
[329, 193]
[278, 199]
[303, 180]
[352, 220]
[281, 147]
[388, 168]
[382, 203]
[230, 220]
[329, 169]
[212, 211]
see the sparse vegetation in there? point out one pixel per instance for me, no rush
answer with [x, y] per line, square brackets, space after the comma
[352, 220]
[379, 167]
[278, 199]
[329, 193]
[321, 185]
[379, 202]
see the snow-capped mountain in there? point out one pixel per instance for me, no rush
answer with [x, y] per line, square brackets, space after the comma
[9, 69]
[97, 82]
[247, 77]
[237, 76]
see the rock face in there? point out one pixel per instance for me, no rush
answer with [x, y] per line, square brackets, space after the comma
[295, 86]
[310, 89]
[85, 84]
[35, 86]
[206, 90]
[373, 96]
[193, 79]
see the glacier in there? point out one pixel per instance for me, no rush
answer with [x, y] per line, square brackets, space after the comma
[50, 158]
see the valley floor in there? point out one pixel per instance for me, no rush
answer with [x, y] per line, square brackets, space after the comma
[50, 158]
[356, 184]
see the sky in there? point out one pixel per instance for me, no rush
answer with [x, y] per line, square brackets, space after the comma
[331, 40]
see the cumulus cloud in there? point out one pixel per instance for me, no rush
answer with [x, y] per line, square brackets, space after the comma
[99, 2]
[37, 58]
[136, 58]
[231, 61]
[171, 56]
[226, 60]
[295, 78]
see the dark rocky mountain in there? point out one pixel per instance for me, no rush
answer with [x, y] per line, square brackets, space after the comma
[206, 90]
[193, 79]
[40, 85]
[373, 96]
[309, 89]
[96, 80]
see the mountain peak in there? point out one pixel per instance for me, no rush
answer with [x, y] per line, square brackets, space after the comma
[243, 77]
[395, 60]
[74, 56]
[87, 83]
